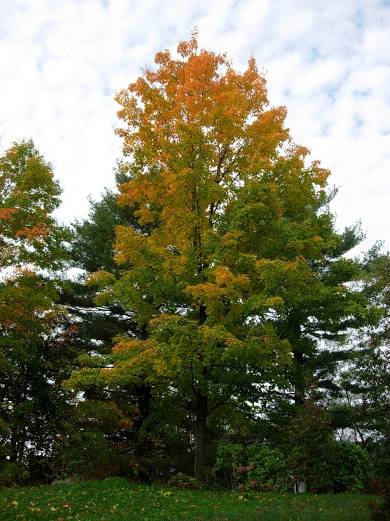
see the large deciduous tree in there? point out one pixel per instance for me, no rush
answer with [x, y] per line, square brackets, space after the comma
[234, 271]
[199, 133]
[33, 360]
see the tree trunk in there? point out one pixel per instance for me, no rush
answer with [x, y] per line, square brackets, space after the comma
[13, 456]
[202, 314]
[200, 436]
[144, 398]
[299, 387]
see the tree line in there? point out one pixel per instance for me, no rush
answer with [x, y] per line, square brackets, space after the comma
[221, 329]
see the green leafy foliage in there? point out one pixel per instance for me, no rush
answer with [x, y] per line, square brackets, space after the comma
[28, 196]
[314, 455]
[267, 469]
[227, 259]
[13, 473]
[352, 467]
[34, 355]
[251, 467]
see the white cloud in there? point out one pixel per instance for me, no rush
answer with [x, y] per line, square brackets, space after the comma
[62, 62]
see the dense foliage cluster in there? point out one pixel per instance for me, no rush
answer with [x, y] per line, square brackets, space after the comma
[221, 330]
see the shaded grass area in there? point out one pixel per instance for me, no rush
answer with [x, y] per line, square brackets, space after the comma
[116, 499]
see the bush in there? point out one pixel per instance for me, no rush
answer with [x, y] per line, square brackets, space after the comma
[325, 467]
[230, 459]
[40, 469]
[351, 468]
[382, 512]
[13, 474]
[381, 485]
[310, 447]
[255, 466]
[181, 480]
[90, 455]
[267, 469]
[315, 457]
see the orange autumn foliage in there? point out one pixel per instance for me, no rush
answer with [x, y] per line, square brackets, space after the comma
[193, 126]
[6, 213]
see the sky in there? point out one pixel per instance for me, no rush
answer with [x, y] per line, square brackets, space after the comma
[327, 61]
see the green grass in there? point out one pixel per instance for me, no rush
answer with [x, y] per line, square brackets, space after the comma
[116, 499]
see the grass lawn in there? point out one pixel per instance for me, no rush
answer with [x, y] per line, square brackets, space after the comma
[116, 499]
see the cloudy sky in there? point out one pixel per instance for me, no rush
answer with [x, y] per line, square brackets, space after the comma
[328, 61]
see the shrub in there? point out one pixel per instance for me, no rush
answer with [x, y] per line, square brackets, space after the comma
[90, 455]
[40, 469]
[13, 474]
[267, 469]
[181, 480]
[382, 511]
[351, 467]
[256, 466]
[312, 455]
[229, 464]
[309, 447]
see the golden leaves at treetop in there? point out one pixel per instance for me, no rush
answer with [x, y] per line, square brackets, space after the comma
[198, 124]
